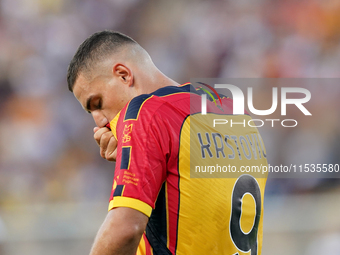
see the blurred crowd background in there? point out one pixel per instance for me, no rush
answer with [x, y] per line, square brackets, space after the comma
[54, 187]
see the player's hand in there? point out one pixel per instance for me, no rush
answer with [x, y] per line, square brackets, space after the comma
[106, 142]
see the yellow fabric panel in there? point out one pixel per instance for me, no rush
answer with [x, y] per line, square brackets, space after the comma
[141, 250]
[131, 203]
[113, 125]
[205, 203]
[248, 213]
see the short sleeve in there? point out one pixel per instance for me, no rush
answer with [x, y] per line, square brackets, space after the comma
[143, 148]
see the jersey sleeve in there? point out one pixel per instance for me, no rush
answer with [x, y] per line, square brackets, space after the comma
[143, 148]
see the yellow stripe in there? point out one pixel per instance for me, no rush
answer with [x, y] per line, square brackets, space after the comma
[129, 156]
[131, 203]
[123, 191]
[184, 84]
[113, 125]
[141, 250]
[167, 214]
[175, 94]
[140, 108]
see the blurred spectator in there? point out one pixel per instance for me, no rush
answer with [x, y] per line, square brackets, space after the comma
[215, 39]
[3, 236]
[47, 153]
[324, 244]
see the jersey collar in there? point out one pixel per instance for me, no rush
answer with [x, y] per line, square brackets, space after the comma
[113, 125]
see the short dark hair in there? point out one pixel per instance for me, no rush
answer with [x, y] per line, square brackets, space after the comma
[94, 48]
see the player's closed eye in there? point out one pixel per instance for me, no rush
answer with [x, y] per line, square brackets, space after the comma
[98, 105]
[94, 104]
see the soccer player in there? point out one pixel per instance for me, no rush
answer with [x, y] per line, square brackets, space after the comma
[155, 207]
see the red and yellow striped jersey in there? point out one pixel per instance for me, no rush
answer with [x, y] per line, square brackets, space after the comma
[161, 142]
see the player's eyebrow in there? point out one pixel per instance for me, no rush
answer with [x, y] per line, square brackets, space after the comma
[88, 104]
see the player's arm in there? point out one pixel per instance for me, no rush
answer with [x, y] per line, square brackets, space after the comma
[120, 232]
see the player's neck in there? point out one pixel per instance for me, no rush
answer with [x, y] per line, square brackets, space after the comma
[158, 81]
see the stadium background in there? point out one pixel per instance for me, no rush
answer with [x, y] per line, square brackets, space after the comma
[54, 187]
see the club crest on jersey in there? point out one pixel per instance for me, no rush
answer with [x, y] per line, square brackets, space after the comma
[127, 130]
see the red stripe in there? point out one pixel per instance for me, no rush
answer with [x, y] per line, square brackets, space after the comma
[173, 188]
[184, 84]
[147, 246]
[173, 205]
[212, 90]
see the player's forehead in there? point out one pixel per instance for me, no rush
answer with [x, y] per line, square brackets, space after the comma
[82, 88]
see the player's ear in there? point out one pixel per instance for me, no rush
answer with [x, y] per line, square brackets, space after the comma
[123, 73]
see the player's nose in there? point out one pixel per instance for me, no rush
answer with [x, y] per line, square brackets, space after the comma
[99, 118]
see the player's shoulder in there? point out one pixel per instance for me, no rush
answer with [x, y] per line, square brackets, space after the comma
[147, 104]
[173, 90]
